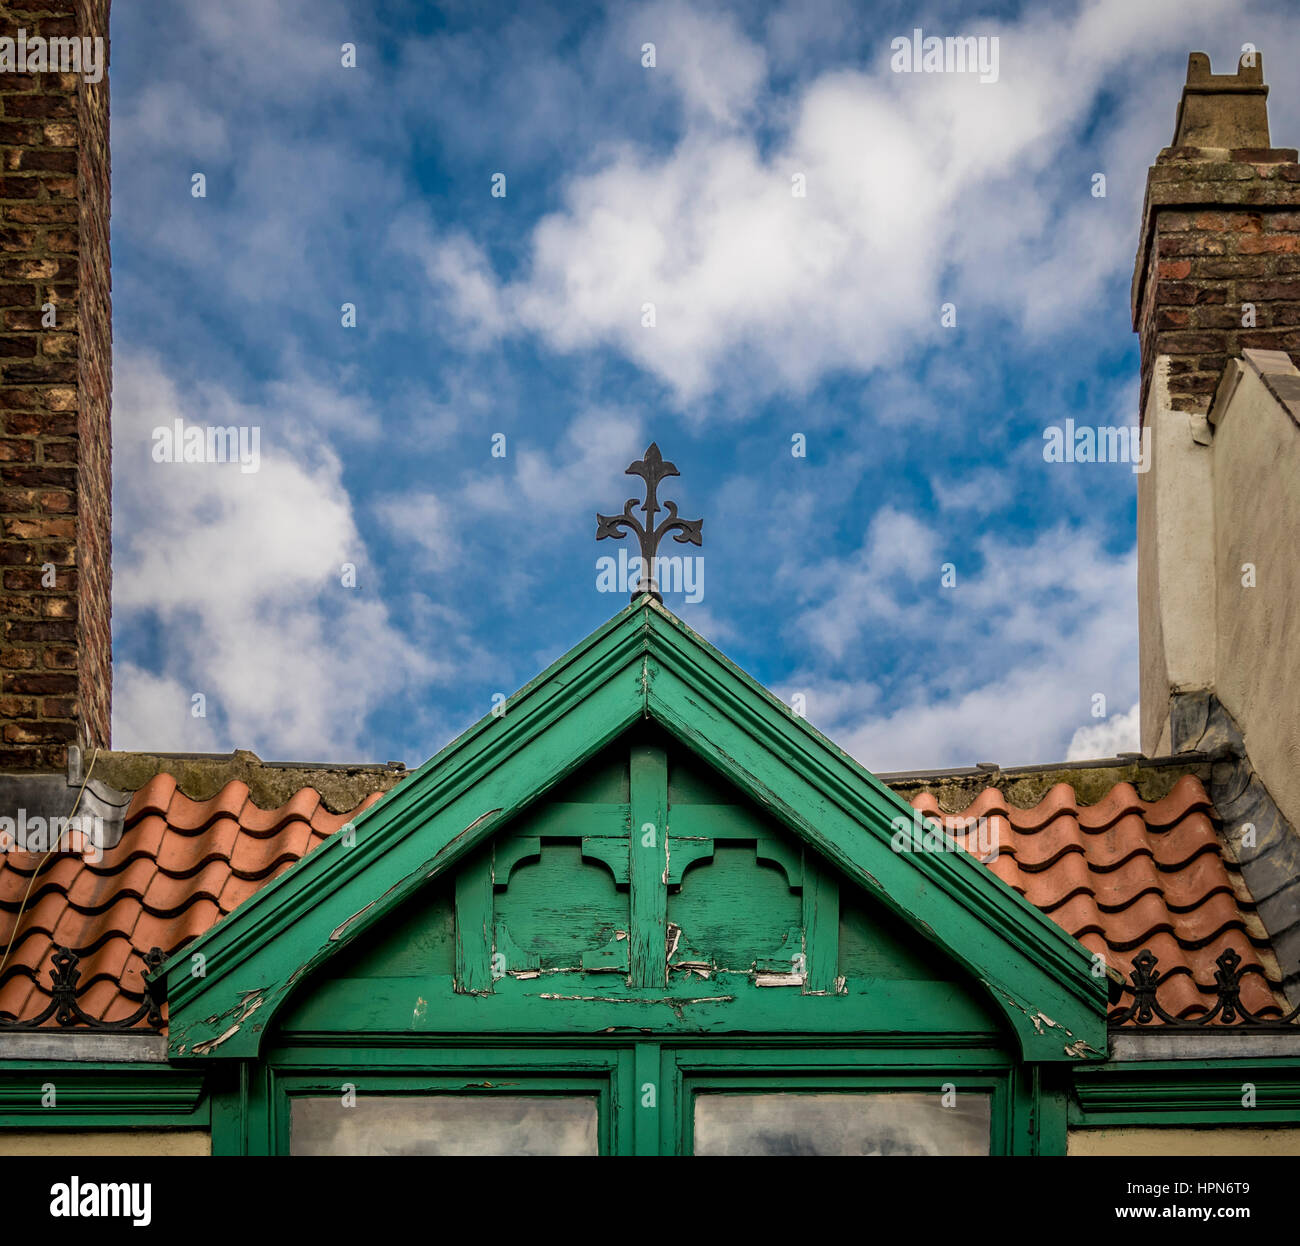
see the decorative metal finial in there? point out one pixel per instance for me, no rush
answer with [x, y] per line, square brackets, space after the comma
[652, 469]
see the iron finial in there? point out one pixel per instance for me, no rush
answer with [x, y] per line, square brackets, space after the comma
[652, 469]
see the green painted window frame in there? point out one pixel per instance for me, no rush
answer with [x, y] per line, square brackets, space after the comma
[692, 1070]
[251, 1109]
[287, 1087]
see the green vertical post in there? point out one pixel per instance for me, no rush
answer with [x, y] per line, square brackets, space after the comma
[821, 925]
[648, 868]
[474, 926]
[649, 1093]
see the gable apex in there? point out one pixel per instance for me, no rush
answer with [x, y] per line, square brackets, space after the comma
[643, 664]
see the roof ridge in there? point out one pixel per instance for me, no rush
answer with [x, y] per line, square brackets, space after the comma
[191, 816]
[1187, 794]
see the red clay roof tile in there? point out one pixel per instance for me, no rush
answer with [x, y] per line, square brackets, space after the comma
[1125, 875]
[1121, 875]
[180, 866]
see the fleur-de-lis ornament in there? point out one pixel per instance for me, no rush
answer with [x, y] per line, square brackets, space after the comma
[652, 469]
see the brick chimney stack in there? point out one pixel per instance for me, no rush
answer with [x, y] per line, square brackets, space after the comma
[1217, 273]
[1220, 245]
[1216, 300]
[55, 386]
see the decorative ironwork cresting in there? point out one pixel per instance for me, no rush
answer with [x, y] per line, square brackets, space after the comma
[65, 1009]
[1228, 1010]
[652, 469]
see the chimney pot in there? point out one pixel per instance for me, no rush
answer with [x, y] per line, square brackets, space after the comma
[1217, 258]
[1223, 110]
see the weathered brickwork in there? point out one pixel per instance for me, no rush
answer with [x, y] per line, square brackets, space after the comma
[1219, 253]
[55, 385]
[1221, 232]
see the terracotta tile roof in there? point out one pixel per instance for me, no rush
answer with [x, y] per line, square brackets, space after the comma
[1120, 875]
[1125, 875]
[179, 867]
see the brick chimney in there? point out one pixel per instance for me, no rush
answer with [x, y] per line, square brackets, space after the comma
[1220, 235]
[1217, 272]
[55, 384]
[1216, 302]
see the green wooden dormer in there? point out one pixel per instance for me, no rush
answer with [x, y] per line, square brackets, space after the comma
[644, 909]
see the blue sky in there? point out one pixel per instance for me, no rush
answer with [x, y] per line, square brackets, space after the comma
[775, 315]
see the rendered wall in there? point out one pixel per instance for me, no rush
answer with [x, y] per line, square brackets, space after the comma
[105, 1142]
[1257, 650]
[1200, 1140]
[1176, 579]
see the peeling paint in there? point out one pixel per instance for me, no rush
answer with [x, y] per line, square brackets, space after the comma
[1041, 1019]
[674, 939]
[249, 1003]
[671, 1002]
[1042, 1022]
[337, 933]
[1081, 1049]
[202, 1049]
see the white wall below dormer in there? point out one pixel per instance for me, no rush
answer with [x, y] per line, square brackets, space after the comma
[1176, 550]
[1257, 502]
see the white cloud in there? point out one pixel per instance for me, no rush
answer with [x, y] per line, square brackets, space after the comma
[422, 521]
[1026, 642]
[575, 476]
[309, 396]
[165, 117]
[241, 573]
[459, 266]
[921, 189]
[151, 710]
[1121, 733]
[277, 50]
[715, 69]
[858, 589]
[983, 490]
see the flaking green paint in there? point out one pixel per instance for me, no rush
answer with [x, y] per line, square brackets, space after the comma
[642, 672]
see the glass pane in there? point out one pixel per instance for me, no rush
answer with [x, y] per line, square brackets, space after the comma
[444, 1125]
[833, 1123]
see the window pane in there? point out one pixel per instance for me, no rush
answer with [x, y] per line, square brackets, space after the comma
[444, 1125]
[832, 1123]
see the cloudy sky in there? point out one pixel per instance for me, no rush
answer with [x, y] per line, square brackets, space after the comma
[777, 317]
